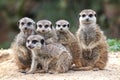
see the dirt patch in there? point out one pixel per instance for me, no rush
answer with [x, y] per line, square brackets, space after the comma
[9, 71]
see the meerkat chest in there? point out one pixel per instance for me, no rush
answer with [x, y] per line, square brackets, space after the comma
[62, 36]
[88, 35]
[47, 36]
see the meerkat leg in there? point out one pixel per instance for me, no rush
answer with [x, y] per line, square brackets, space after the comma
[22, 61]
[83, 68]
[33, 65]
[63, 63]
[101, 63]
[46, 65]
[76, 54]
[103, 56]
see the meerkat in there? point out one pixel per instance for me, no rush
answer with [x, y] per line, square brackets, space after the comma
[67, 38]
[92, 41]
[54, 57]
[45, 28]
[22, 54]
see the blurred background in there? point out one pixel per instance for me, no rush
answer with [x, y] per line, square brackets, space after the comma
[108, 16]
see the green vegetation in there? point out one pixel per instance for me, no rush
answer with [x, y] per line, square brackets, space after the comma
[114, 45]
[108, 16]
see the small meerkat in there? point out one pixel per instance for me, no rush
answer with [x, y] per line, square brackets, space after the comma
[22, 54]
[45, 28]
[92, 41]
[54, 57]
[67, 38]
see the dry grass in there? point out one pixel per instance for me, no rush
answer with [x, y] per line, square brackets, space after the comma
[8, 70]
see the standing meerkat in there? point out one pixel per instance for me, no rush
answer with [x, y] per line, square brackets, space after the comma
[54, 58]
[92, 41]
[66, 38]
[45, 28]
[22, 54]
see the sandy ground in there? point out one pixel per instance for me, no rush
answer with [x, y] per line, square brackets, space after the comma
[9, 71]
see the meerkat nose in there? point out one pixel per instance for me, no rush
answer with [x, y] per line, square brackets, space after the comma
[43, 30]
[87, 19]
[30, 47]
[25, 28]
[61, 29]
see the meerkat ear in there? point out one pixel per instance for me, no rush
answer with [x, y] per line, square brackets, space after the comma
[42, 41]
[95, 15]
[55, 25]
[18, 23]
[35, 26]
[68, 25]
[51, 26]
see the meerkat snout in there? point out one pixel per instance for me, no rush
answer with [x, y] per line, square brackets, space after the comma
[30, 47]
[61, 29]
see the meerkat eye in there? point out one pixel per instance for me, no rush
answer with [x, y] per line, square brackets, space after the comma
[58, 25]
[83, 15]
[90, 15]
[46, 26]
[79, 15]
[64, 25]
[34, 41]
[22, 23]
[40, 26]
[29, 23]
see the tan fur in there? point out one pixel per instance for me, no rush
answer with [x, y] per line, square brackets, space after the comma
[67, 38]
[54, 58]
[22, 54]
[93, 43]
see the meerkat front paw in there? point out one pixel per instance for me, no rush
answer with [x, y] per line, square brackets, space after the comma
[86, 54]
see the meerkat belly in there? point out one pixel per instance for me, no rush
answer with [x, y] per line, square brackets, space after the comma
[88, 36]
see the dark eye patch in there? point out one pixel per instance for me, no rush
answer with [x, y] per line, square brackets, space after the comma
[46, 26]
[79, 15]
[90, 15]
[22, 23]
[40, 26]
[58, 25]
[64, 25]
[34, 41]
[83, 15]
[29, 23]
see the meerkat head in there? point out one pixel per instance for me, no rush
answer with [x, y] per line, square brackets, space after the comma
[87, 17]
[26, 25]
[62, 25]
[44, 26]
[35, 42]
